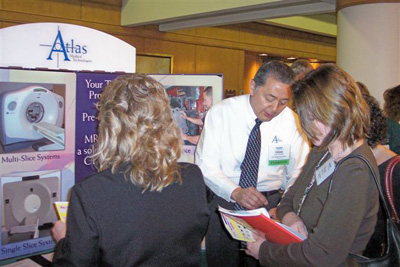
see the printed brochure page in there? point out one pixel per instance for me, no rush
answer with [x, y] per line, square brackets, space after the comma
[242, 224]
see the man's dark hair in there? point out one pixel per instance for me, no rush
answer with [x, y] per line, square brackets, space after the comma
[275, 69]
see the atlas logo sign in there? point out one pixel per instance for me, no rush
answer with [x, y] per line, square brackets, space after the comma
[70, 50]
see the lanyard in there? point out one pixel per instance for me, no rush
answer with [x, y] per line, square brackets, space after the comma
[311, 183]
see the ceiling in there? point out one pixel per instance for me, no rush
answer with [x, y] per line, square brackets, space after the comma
[315, 16]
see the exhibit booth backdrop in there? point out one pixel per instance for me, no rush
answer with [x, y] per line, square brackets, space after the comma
[51, 77]
[37, 155]
[184, 92]
[44, 67]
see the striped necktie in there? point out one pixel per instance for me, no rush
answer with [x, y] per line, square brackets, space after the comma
[249, 167]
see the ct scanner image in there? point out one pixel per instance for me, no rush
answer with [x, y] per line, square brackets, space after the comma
[27, 203]
[30, 114]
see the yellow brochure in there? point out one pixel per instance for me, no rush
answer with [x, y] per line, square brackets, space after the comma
[61, 208]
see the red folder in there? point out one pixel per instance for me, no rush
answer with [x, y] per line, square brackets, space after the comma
[258, 219]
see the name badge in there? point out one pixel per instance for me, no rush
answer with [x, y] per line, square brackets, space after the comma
[278, 154]
[325, 171]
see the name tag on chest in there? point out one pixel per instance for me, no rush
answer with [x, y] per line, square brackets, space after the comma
[325, 171]
[278, 154]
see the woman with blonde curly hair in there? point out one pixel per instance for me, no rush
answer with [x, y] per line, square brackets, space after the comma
[142, 207]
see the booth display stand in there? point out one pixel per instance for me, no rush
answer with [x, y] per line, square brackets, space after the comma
[48, 71]
[51, 77]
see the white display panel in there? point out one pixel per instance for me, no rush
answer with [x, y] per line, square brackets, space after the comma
[60, 46]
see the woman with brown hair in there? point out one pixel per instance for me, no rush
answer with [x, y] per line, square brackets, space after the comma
[143, 207]
[334, 202]
[376, 138]
[392, 103]
[391, 137]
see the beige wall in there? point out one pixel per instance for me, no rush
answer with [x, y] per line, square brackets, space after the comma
[204, 50]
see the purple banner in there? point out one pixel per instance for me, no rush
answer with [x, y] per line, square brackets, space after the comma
[88, 89]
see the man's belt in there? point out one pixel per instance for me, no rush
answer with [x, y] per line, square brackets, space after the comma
[270, 193]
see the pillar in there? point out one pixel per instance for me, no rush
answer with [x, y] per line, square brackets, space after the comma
[368, 43]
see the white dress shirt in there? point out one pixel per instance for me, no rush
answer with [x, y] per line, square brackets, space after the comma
[223, 141]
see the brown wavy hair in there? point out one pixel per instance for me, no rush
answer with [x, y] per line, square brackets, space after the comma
[378, 128]
[329, 95]
[137, 133]
[392, 103]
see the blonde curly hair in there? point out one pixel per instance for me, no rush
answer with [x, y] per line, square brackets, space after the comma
[137, 133]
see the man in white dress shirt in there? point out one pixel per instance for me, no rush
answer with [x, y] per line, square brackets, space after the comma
[222, 147]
